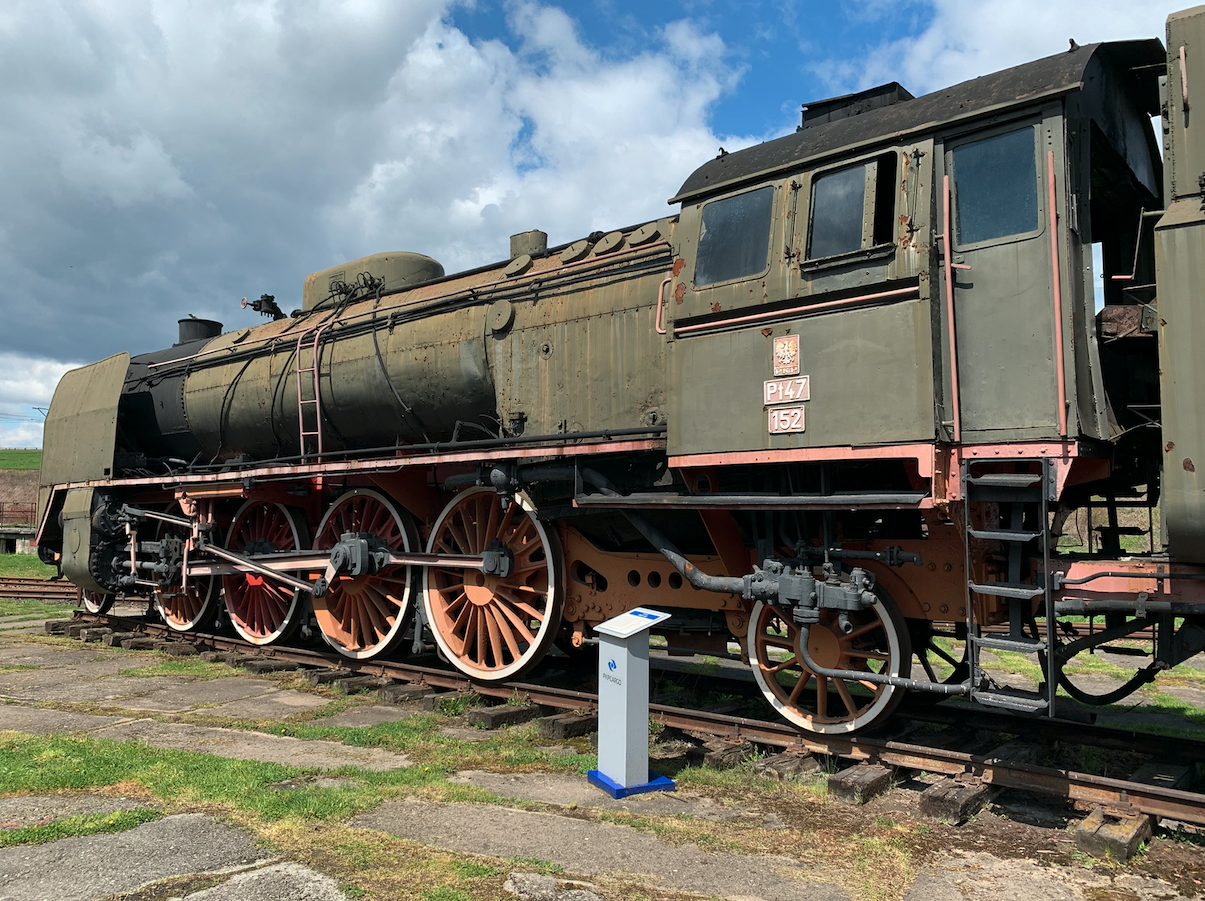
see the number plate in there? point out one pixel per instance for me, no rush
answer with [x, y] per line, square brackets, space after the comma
[786, 419]
[787, 391]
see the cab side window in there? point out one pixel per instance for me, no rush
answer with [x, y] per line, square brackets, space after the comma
[734, 238]
[995, 187]
[838, 201]
[852, 209]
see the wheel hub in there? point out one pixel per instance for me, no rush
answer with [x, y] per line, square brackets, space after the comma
[479, 588]
[824, 647]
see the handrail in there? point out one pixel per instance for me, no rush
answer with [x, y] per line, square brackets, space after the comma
[1183, 78]
[949, 267]
[1058, 295]
[900, 293]
[660, 301]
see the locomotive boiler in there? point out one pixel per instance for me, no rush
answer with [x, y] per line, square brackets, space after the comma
[836, 408]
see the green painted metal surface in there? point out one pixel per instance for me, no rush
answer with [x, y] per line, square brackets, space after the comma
[395, 270]
[77, 538]
[80, 430]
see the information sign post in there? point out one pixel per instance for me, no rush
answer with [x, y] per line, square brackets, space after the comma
[623, 706]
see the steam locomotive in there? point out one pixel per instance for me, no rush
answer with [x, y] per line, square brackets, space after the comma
[836, 408]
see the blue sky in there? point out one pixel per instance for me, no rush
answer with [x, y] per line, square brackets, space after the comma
[774, 48]
[163, 158]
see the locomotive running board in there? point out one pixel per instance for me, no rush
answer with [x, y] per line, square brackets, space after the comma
[907, 500]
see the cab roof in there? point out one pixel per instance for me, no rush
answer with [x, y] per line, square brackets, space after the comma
[1139, 62]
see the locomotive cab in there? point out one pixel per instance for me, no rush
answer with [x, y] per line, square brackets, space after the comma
[933, 258]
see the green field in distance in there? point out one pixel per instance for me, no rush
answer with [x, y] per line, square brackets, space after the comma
[11, 458]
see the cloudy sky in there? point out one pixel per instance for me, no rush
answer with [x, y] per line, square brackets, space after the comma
[167, 157]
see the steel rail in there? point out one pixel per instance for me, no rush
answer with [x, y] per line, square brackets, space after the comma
[1116, 794]
[15, 587]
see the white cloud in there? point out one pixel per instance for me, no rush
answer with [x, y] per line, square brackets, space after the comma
[26, 383]
[485, 141]
[28, 380]
[27, 435]
[968, 38]
[170, 158]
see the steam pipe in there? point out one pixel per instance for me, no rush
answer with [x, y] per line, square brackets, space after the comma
[688, 571]
[741, 586]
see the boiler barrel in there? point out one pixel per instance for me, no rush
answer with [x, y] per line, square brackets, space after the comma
[411, 385]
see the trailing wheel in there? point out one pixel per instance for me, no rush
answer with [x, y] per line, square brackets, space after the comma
[97, 603]
[184, 609]
[363, 616]
[938, 658]
[1137, 666]
[262, 610]
[494, 627]
[878, 643]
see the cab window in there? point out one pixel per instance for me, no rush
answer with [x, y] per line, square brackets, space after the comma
[734, 238]
[995, 187]
[852, 209]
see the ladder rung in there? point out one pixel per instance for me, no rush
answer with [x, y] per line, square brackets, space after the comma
[1004, 535]
[1020, 702]
[1007, 590]
[1020, 645]
[1006, 479]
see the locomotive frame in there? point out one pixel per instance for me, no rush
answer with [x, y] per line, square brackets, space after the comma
[838, 406]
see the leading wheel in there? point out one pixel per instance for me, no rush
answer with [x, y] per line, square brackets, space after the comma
[364, 616]
[494, 627]
[261, 609]
[878, 643]
[97, 603]
[184, 609]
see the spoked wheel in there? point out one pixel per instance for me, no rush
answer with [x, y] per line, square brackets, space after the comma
[939, 662]
[262, 610]
[183, 608]
[1140, 670]
[97, 603]
[494, 627]
[878, 643]
[363, 616]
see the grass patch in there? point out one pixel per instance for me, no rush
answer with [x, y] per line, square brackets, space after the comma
[543, 867]
[198, 670]
[377, 865]
[14, 458]
[33, 609]
[461, 703]
[45, 764]
[24, 566]
[93, 824]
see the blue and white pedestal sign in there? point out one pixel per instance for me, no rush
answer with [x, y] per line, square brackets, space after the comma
[623, 706]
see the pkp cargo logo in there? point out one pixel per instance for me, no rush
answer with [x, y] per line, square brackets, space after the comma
[611, 665]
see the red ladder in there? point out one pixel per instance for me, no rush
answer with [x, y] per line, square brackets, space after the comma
[310, 438]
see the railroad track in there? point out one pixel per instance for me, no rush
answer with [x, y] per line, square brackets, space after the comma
[38, 589]
[1118, 795]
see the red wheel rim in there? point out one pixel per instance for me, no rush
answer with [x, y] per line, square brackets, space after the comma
[878, 643]
[183, 609]
[492, 627]
[261, 610]
[97, 603]
[364, 616]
